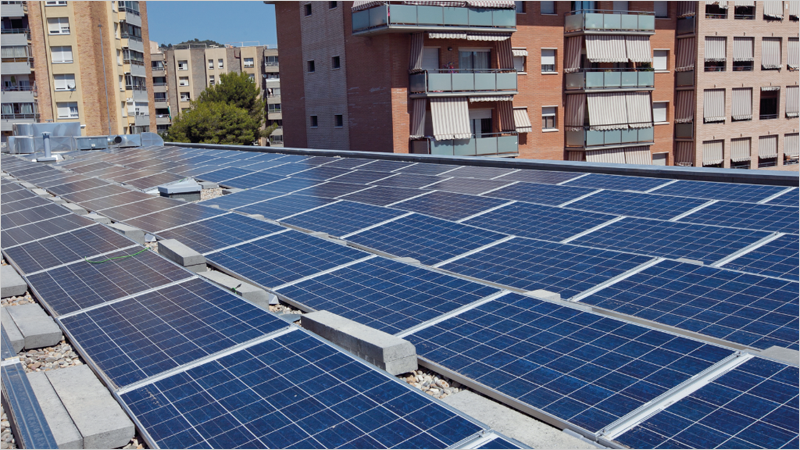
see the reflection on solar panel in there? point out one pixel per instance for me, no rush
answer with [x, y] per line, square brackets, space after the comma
[467, 185]
[131, 210]
[10, 186]
[637, 205]
[348, 163]
[448, 206]
[121, 174]
[293, 391]
[287, 169]
[382, 195]
[8, 197]
[386, 295]
[95, 193]
[332, 189]
[160, 330]
[65, 248]
[749, 216]
[91, 167]
[115, 200]
[288, 185]
[287, 205]
[67, 188]
[43, 229]
[343, 217]
[362, 177]
[224, 174]
[252, 180]
[427, 239]
[617, 182]
[545, 194]
[778, 258]
[737, 192]
[154, 180]
[261, 165]
[81, 285]
[26, 203]
[484, 173]
[319, 160]
[752, 406]
[579, 367]
[791, 198]
[31, 215]
[408, 181]
[173, 217]
[237, 199]
[499, 443]
[671, 239]
[321, 173]
[528, 264]
[540, 176]
[285, 257]
[528, 220]
[385, 165]
[747, 309]
[221, 231]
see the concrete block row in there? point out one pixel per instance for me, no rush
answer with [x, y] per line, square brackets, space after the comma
[36, 328]
[179, 253]
[252, 294]
[12, 284]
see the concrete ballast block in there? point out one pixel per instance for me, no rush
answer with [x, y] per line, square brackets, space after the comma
[12, 283]
[390, 353]
[130, 232]
[13, 333]
[545, 295]
[41, 192]
[174, 250]
[58, 419]
[98, 417]
[98, 218]
[252, 294]
[209, 185]
[76, 208]
[38, 329]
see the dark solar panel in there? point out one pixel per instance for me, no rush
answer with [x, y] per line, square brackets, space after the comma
[68, 188]
[252, 180]
[173, 217]
[385, 165]
[383, 195]
[8, 197]
[237, 199]
[746, 309]
[146, 335]
[499, 443]
[332, 189]
[26, 216]
[321, 173]
[539, 176]
[131, 210]
[26, 203]
[154, 180]
[224, 174]
[115, 200]
[750, 216]
[91, 167]
[617, 182]
[737, 192]
[348, 163]
[343, 217]
[255, 164]
[545, 194]
[285, 206]
[117, 174]
[428, 169]
[288, 169]
[385, 294]
[408, 181]
[221, 231]
[319, 160]
[791, 198]
[778, 258]
[127, 178]
[43, 229]
[448, 206]
[10, 186]
[361, 177]
[95, 193]
[633, 204]
[481, 172]
[472, 186]
[288, 185]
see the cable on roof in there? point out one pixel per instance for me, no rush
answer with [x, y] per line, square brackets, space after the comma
[116, 257]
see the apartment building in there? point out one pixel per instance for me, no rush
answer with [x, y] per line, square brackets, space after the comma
[18, 74]
[160, 98]
[92, 65]
[583, 81]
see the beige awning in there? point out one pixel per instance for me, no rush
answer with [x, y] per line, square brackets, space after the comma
[491, 98]
[638, 48]
[446, 35]
[792, 101]
[450, 116]
[687, 9]
[742, 103]
[638, 155]
[575, 113]
[415, 56]
[742, 49]
[607, 111]
[685, 55]
[488, 37]
[740, 150]
[522, 121]
[770, 88]
[684, 153]
[359, 5]
[601, 48]
[715, 48]
[794, 8]
[793, 57]
[435, 3]
[491, 4]
[519, 52]
[739, 3]
[572, 59]
[576, 156]
[771, 53]
[610, 155]
[791, 145]
[640, 109]
[712, 152]
[768, 146]
[505, 57]
[684, 110]
[773, 10]
[505, 111]
[714, 105]
[417, 118]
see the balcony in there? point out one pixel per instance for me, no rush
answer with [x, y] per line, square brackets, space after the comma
[597, 21]
[767, 116]
[163, 119]
[161, 103]
[684, 130]
[686, 25]
[684, 78]
[447, 82]
[406, 18]
[159, 72]
[587, 137]
[141, 120]
[14, 9]
[494, 144]
[610, 79]
[18, 94]
[16, 68]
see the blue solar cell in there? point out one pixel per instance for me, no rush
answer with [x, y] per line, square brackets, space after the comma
[154, 180]
[43, 229]
[252, 180]
[288, 185]
[92, 194]
[136, 209]
[617, 182]
[115, 200]
[386, 295]
[538, 221]
[321, 173]
[750, 216]
[408, 181]
[528, 264]
[36, 214]
[224, 174]
[361, 177]
[448, 205]
[778, 258]
[636, 205]
[383, 195]
[257, 164]
[332, 189]
[285, 257]
[293, 391]
[348, 163]
[752, 406]
[243, 198]
[154, 332]
[288, 169]
[498, 443]
[427, 239]
[580, 367]
[481, 172]
[671, 239]
[385, 165]
[25, 203]
[280, 207]
[737, 192]
[746, 309]
[791, 198]
[472, 186]
[67, 188]
[545, 194]
[8, 197]
[220, 231]
[343, 217]
[174, 217]
[428, 169]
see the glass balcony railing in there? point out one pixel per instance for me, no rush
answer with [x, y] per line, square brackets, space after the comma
[685, 78]
[457, 80]
[494, 144]
[423, 16]
[606, 20]
[591, 79]
[685, 25]
[684, 130]
[597, 138]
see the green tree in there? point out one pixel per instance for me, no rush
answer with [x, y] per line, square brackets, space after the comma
[214, 123]
[239, 90]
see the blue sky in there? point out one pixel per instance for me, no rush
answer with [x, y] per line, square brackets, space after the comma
[224, 22]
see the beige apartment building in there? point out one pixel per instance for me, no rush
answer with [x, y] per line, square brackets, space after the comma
[160, 97]
[18, 72]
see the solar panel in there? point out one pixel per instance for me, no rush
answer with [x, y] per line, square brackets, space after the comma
[540, 176]
[484, 173]
[57, 178]
[738, 192]
[746, 309]
[252, 180]
[81, 285]
[538, 221]
[288, 185]
[287, 169]
[160, 330]
[361, 177]
[173, 217]
[293, 391]
[220, 231]
[8, 197]
[65, 248]
[144, 173]
[791, 198]
[237, 199]
[115, 200]
[26, 203]
[257, 164]
[224, 174]
[752, 406]
[343, 217]
[545, 194]
[617, 182]
[280, 207]
[67, 188]
[384, 165]
[636, 205]
[427, 239]
[332, 189]
[119, 174]
[24, 217]
[385, 294]
[671, 239]
[580, 367]
[778, 258]
[95, 193]
[408, 181]
[749, 216]
[448, 206]
[499, 443]
[348, 163]
[91, 167]
[45, 228]
[131, 210]
[283, 258]
[428, 169]
[10, 186]
[154, 180]
[383, 195]
[321, 173]
[472, 186]
[319, 160]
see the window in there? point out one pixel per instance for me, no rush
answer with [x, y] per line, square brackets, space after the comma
[715, 53]
[520, 7]
[313, 121]
[58, 25]
[332, 5]
[131, 31]
[133, 57]
[715, 11]
[248, 63]
[660, 112]
[308, 9]
[211, 80]
[271, 60]
[620, 6]
[160, 96]
[275, 108]
[473, 59]
[211, 64]
[335, 62]
[67, 110]
[121, 83]
[273, 76]
[159, 81]
[662, 9]
[548, 60]
[123, 109]
[660, 58]
[548, 7]
[338, 120]
[119, 58]
[183, 81]
[186, 96]
[744, 12]
[519, 63]
[135, 83]
[183, 65]
[771, 54]
[116, 31]
[64, 82]
[769, 104]
[311, 66]
[56, 3]
[548, 118]
[62, 54]
[252, 77]
[221, 63]
[157, 65]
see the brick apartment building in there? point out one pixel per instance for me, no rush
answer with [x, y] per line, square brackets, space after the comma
[627, 82]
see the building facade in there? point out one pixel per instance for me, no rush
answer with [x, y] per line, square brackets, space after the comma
[160, 97]
[19, 77]
[586, 81]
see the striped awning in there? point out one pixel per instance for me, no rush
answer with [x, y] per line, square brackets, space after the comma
[446, 35]
[505, 57]
[609, 155]
[638, 48]
[488, 36]
[793, 57]
[505, 112]
[715, 48]
[360, 5]
[519, 52]
[450, 117]
[576, 156]
[491, 98]
[491, 4]
[685, 54]
[687, 9]
[771, 53]
[773, 10]
[742, 103]
[607, 111]
[575, 112]
[600, 49]
[638, 155]
[522, 121]
[794, 8]
[684, 153]
[791, 145]
[768, 146]
[415, 55]
[742, 49]
[721, 5]
[745, 3]
[417, 118]
[714, 105]
[792, 101]
[684, 110]
[740, 150]
[712, 152]
[640, 109]
[435, 3]
[572, 59]
[770, 88]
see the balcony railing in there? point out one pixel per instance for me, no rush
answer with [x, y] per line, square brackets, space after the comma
[463, 80]
[159, 83]
[18, 88]
[25, 31]
[422, 16]
[685, 78]
[12, 116]
[716, 16]
[590, 79]
[132, 37]
[608, 20]
[494, 144]
[597, 138]
[684, 130]
[767, 116]
[135, 62]
[686, 25]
